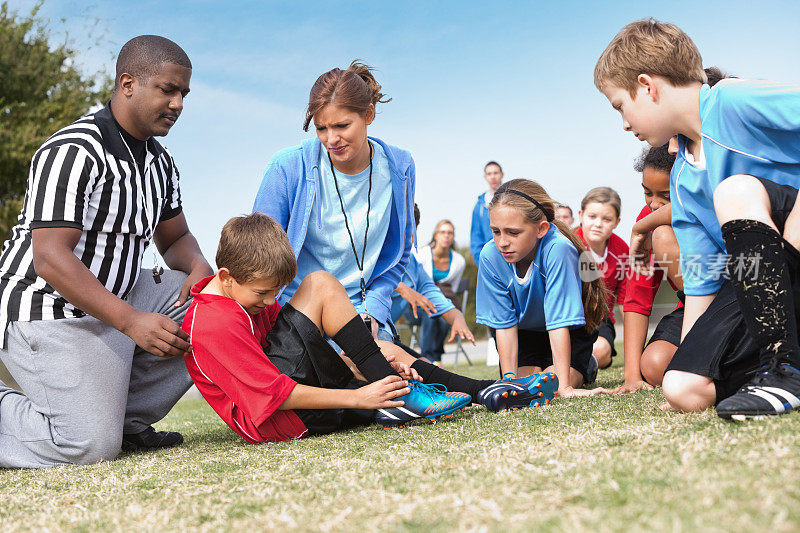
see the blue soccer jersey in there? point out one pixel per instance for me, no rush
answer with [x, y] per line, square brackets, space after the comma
[547, 297]
[747, 127]
[696, 228]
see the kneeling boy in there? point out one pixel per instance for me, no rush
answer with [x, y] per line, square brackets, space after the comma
[269, 372]
[740, 141]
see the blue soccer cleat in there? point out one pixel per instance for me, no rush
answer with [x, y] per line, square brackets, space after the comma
[512, 393]
[424, 401]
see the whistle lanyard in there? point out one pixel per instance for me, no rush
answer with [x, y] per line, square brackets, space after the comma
[359, 263]
[157, 268]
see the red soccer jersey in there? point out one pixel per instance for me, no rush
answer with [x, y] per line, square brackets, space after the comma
[614, 267]
[230, 369]
[641, 290]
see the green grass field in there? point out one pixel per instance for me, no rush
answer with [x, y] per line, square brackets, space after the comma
[605, 463]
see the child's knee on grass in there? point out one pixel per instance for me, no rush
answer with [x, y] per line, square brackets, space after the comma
[602, 352]
[525, 371]
[688, 392]
[655, 359]
[742, 196]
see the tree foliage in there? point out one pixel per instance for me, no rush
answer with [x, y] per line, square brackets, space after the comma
[41, 91]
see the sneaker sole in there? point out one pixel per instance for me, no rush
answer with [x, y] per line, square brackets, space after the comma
[544, 390]
[515, 401]
[743, 417]
[756, 415]
[390, 424]
[541, 391]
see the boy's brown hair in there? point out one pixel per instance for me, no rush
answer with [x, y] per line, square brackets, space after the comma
[255, 246]
[651, 47]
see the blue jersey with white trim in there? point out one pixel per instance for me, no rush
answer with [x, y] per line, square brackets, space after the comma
[547, 297]
[747, 127]
[696, 228]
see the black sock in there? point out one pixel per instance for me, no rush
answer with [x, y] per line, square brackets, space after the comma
[454, 382]
[357, 342]
[758, 271]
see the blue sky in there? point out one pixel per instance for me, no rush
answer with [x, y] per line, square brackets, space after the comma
[470, 83]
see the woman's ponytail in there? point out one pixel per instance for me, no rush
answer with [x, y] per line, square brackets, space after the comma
[364, 72]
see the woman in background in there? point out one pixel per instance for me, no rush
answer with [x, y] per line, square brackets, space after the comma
[445, 266]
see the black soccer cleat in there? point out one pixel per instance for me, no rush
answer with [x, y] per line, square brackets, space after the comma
[150, 439]
[773, 391]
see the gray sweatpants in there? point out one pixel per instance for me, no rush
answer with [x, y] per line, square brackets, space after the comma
[85, 383]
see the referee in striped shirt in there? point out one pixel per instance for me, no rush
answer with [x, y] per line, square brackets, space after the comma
[93, 339]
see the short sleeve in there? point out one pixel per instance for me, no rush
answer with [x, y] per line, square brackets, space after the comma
[60, 185]
[172, 204]
[621, 252]
[640, 291]
[495, 306]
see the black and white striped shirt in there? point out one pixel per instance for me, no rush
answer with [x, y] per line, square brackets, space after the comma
[84, 177]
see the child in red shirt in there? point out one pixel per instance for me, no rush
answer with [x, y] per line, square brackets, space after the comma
[599, 216]
[268, 371]
[655, 250]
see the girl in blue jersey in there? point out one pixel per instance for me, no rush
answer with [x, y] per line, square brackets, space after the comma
[530, 289]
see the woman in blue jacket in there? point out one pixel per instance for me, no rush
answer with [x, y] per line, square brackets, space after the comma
[345, 199]
[346, 202]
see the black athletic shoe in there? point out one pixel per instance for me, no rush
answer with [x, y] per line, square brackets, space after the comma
[773, 391]
[150, 439]
[591, 371]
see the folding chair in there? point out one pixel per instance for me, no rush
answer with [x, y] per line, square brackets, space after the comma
[413, 328]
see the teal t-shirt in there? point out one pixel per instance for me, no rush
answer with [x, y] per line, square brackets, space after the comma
[439, 275]
[327, 247]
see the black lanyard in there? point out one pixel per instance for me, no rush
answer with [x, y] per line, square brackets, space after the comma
[359, 263]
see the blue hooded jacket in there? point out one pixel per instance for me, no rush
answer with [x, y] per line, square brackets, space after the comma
[287, 192]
